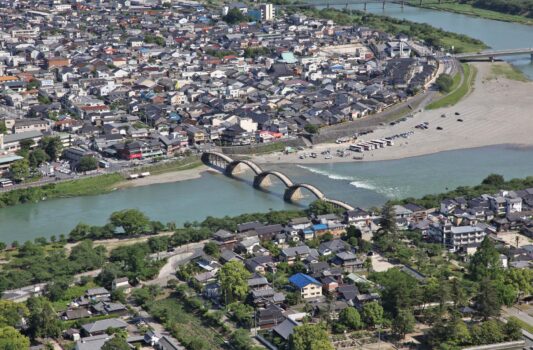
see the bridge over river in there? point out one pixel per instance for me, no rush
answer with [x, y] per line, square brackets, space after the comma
[347, 3]
[263, 178]
[492, 54]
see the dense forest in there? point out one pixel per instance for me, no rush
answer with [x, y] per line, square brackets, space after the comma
[512, 7]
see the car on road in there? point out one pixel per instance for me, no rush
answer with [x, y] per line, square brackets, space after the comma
[459, 120]
[439, 127]
[457, 113]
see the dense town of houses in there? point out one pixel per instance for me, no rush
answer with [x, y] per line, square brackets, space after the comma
[330, 271]
[136, 80]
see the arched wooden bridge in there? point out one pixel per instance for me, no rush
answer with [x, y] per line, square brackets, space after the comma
[263, 178]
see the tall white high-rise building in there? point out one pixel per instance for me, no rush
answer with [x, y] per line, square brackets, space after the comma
[268, 12]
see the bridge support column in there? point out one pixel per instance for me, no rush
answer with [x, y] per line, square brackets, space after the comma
[296, 195]
[402, 4]
[365, 6]
[420, 3]
[261, 182]
[383, 7]
[346, 6]
[532, 57]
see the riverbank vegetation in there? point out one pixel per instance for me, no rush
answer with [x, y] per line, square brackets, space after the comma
[89, 186]
[518, 11]
[491, 184]
[461, 86]
[432, 36]
[507, 71]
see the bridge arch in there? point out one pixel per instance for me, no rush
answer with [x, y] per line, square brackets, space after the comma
[233, 167]
[339, 204]
[262, 180]
[293, 193]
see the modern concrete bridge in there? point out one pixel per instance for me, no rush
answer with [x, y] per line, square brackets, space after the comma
[492, 54]
[346, 3]
[263, 178]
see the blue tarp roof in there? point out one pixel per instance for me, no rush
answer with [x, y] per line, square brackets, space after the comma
[320, 227]
[301, 280]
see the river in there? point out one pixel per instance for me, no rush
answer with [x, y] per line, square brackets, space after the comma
[361, 184]
[496, 34]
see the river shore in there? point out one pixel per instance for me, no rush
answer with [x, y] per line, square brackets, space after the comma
[172, 176]
[494, 113]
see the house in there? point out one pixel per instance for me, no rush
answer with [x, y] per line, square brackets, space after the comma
[98, 293]
[93, 343]
[292, 254]
[224, 239]
[348, 261]
[308, 286]
[332, 247]
[121, 283]
[286, 328]
[167, 343]
[270, 316]
[101, 326]
[249, 244]
[259, 264]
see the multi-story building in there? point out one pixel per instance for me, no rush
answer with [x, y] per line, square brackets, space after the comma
[308, 286]
[268, 12]
[456, 238]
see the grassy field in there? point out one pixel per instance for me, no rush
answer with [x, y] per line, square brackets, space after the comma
[459, 89]
[86, 187]
[184, 325]
[176, 165]
[467, 9]
[507, 71]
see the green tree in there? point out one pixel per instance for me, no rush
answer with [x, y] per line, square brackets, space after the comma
[233, 278]
[43, 321]
[3, 128]
[116, 343]
[240, 340]
[351, 318]
[311, 128]
[211, 248]
[444, 82]
[235, 16]
[310, 337]
[87, 163]
[320, 207]
[487, 300]
[52, 145]
[487, 332]
[403, 323]
[11, 339]
[20, 170]
[37, 157]
[486, 263]
[132, 221]
[12, 314]
[81, 231]
[56, 289]
[494, 180]
[372, 314]
[513, 329]
[388, 219]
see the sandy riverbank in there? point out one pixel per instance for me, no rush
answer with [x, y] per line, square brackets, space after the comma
[173, 176]
[498, 111]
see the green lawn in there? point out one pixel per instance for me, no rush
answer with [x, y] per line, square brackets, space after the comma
[468, 9]
[459, 90]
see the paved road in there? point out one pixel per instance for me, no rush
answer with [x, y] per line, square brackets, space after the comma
[179, 256]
